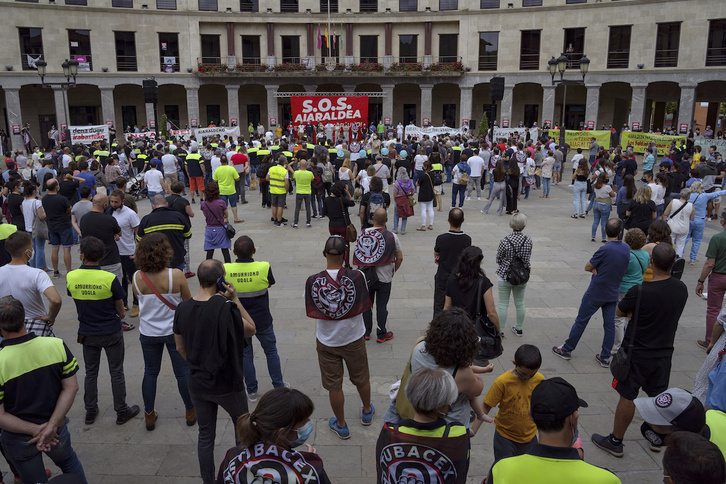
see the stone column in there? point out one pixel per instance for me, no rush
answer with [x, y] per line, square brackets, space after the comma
[548, 104]
[388, 101]
[465, 102]
[388, 45]
[428, 59]
[231, 59]
[271, 60]
[687, 105]
[272, 110]
[637, 106]
[592, 104]
[505, 111]
[60, 107]
[149, 116]
[426, 101]
[12, 105]
[193, 105]
[107, 106]
[233, 104]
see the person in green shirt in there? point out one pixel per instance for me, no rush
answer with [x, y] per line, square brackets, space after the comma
[225, 176]
[303, 188]
[381, 129]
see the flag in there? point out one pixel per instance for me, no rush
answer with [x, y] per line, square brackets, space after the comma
[327, 40]
[334, 37]
[320, 38]
[32, 62]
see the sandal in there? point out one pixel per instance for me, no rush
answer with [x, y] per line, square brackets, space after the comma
[431, 227]
[422, 229]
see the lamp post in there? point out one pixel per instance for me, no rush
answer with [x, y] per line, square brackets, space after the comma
[560, 65]
[70, 71]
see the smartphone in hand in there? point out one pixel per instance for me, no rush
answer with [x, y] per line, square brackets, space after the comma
[221, 285]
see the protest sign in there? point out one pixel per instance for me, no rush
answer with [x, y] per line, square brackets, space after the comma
[88, 134]
[639, 141]
[325, 109]
[581, 139]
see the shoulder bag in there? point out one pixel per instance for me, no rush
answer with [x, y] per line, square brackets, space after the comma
[156, 291]
[40, 227]
[351, 234]
[432, 187]
[228, 229]
[620, 366]
[490, 340]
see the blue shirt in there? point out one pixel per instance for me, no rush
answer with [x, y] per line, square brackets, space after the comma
[90, 181]
[611, 261]
[700, 200]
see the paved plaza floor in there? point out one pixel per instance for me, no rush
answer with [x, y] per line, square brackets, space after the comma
[131, 454]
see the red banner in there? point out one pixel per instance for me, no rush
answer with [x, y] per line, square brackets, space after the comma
[333, 109]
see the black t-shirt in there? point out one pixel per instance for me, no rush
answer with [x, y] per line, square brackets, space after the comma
[449, 246]
[425, 188]
[57, 214]
[69, 189]
[661, 305]
[178, 204]
[104, 227]
[364, 204]
[333, 209]
[15, 201]
[466, 299]
[641, 215]
[631, 166]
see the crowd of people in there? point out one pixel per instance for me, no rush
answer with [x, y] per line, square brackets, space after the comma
[87, 196]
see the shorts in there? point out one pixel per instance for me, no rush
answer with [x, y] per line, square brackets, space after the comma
[331, 361]
[170, 178]
[650, 374]
[557, 167]
[196, 183]
[64, 238]
[230, 200]
[278, 199]
[437, 189]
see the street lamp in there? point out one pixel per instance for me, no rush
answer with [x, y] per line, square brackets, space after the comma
[560, 65]
[70, 71]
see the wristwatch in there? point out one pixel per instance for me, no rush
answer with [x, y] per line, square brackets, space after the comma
[700, 281]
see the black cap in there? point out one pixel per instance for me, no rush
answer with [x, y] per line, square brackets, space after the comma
[554, 399]
[335, 245]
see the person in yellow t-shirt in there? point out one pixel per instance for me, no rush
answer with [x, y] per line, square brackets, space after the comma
[225, 176]
[303, 189]
[515, 432]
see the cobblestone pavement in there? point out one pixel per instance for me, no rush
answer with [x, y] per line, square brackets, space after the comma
[129, 453]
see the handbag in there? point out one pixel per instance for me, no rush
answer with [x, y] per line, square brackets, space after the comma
[589, 186]
[40, 227]
[228, 229]
[351, 234]
[156, 291]
[490, 340]
[620, 366]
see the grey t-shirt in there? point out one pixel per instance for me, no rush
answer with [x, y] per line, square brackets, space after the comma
[80, 209]
[594, 148]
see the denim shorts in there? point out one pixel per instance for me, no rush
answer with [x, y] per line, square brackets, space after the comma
[230, 200]
[64, 238]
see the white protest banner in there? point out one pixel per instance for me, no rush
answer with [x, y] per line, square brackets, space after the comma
[88, 134]
[506, 133]
[220, 131]
[720, 145]
[152, 134]
[431, 131]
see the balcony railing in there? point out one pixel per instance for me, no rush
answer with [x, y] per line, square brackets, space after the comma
[24, 60]
[368, 6]
[666, 58]
[169, 68]
[529, 62]
[573, 59]
[618, 59]
[488, 62]
[126, 63]
[716, 57]
[214, 65]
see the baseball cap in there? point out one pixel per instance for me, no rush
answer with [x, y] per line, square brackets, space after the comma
[554, 399]
[335, 245]
[674, 406]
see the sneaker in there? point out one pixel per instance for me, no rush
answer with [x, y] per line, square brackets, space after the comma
[283, 224]
[56, 274]
[189, 274]
[367, 337]
[565, 355]
[294, 226]
[341, 432]
[252, 396]
[134, 311]
[127, 415]
[702, 344]
[386, 337]
[366, 418]
[467, 199]
[654, 440]
[592, 239]
[91, 416]
[478, 198]
[308, 225]
[284, 220]
[194, 201]
[276, 224]
[604, 442]
[516, 331]
[604, 362]
[127, 326]
[395, 231]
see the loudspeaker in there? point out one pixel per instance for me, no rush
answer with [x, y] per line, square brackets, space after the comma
[496, 88]
[151, 91]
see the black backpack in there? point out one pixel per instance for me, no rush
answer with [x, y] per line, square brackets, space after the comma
[436, 177]
[262, 171]
[518, 272]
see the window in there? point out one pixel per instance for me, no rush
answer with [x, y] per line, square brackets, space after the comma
[531, 3]
[213, 114]
[448, 113]
[31, 47]
[289, 6]
[122, 3]
[128, 116]
[407, 48]
[666, 44]
[489, 4]
[208, 5]
[166, 4]
[716, 50]
[619, 47]
[79, 42]
[369, 48]
[169, 52]
[125, 51]
[574, 47]
[409, 114]
[408, 5]
[290, 49]
[575, 1]
[529, 52]
[76, 2]
[332, 4]
[172, 114]
[27, 1]
[333, 50]
[251, 49]
[488, 48]
[448, 4]
[448, 48]
[210, 49]
[249, 6]
[368, 6]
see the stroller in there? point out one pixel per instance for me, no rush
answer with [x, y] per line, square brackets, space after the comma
[133, 187]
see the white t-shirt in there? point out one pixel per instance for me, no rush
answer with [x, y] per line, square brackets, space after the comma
[169, 163]
[66, 160]
[365, 181]
[681, 222]
[153, 179]
[127, 219]
[576, 160]
[30, 207]
[27, 285]
[418, 161]
[657, 193]
[216, 162]
[342, 332]
[476, 163]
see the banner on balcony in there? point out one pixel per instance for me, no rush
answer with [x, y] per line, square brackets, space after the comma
[720, 145]
[152, 134]
[581, 139]
[639, 141]
[88, 134]
[324, 109]
[506, 133]
[411, 130]
[221, 131]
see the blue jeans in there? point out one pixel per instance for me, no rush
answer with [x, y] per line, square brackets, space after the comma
[152, 348]
[580, 193]
[601, 216]
[461, 190]
[546, 186]
[151, 194]
[695, 230]
[38, 260]
[230, 200]
[396, 219]
[588, 307]
[317, 201]
[449, 169]
[659, 209]
[267, 339]
[28, 460]
[416, 175]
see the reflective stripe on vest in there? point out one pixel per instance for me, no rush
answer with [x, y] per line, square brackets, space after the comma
[90, 284]
[277, 179]
[193, 156]
[248, 278]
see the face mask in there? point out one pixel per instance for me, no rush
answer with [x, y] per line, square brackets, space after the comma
[302, 434]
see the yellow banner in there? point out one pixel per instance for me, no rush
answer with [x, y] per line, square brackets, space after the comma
[581, 139]
[639, 141]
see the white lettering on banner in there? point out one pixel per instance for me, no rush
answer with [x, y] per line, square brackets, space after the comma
[221, 131]
[506, 133]
[152, 134]
[431, 131]
[706, 143]
[88, 134]
[314, 109]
